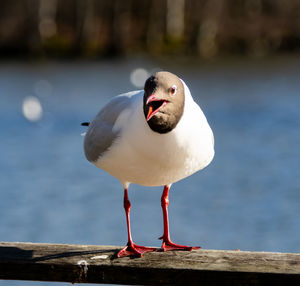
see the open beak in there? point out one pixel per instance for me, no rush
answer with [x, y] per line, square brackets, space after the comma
[154, 105]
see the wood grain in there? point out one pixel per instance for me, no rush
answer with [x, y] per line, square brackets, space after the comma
[98, 264]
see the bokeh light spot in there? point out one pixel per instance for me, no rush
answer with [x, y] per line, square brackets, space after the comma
[138, 77]
[32, 108]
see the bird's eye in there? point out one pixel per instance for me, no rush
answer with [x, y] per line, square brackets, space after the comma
[173, 89]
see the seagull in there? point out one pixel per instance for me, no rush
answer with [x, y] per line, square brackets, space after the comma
[151, 137]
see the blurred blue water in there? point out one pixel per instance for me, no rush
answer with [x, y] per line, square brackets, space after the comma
[248, 198]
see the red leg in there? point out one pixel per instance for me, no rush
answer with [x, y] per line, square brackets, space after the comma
[167, 244]
[131, 249]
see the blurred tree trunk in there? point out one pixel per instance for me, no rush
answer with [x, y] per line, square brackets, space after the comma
[156, 26]
[208, 28]
[19, 26]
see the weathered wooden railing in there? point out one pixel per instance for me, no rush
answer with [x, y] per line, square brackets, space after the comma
[98, 264]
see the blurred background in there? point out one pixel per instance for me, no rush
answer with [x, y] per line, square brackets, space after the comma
[201, 28]
[61, 61]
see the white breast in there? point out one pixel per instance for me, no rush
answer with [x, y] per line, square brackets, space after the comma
[147, 158]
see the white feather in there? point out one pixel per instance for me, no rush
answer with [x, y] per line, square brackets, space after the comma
[148, 158]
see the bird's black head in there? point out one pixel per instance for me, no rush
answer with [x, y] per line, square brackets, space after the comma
[163, 101]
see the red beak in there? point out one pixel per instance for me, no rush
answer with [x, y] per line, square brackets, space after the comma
[152, 111]
[151, 98]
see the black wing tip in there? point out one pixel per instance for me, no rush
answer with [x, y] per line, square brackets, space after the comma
[85, 124]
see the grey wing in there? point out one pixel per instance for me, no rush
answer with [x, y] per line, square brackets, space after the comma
[100, 134]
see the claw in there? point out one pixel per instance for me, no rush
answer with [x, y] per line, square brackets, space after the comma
[168, 245]
[134, 250]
